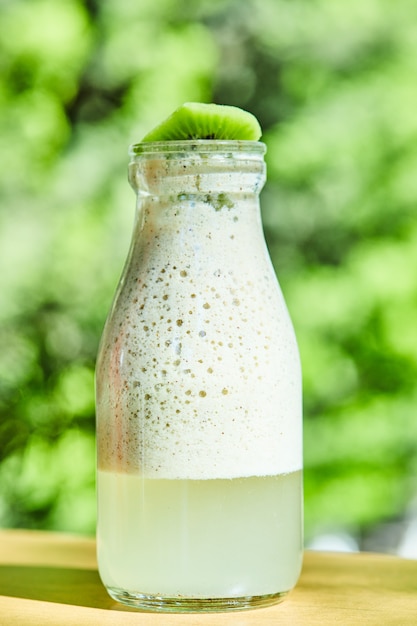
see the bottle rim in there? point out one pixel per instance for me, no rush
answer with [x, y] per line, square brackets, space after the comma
[197, 146]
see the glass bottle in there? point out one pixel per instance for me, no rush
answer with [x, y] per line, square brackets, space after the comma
[198, 393]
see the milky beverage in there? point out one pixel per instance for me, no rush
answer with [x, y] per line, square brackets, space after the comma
[198, 392]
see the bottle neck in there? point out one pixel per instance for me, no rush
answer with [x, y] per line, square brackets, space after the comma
[210, 170]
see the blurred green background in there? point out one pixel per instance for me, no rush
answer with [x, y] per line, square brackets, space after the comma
[334, 87]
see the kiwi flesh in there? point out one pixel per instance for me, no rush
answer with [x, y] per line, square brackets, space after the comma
[196, 120]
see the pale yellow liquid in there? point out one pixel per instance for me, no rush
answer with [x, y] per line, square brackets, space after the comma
[216, 538]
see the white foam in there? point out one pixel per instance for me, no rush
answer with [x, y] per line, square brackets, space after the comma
[199, 375]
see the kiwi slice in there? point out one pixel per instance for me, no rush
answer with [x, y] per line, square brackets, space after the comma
[195, 120]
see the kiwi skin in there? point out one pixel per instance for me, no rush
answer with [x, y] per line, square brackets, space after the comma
[196, 120]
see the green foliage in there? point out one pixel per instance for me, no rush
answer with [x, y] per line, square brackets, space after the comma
[333, 85]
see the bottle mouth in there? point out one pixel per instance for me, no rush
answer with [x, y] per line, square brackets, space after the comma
[199, 167]
[198, 146]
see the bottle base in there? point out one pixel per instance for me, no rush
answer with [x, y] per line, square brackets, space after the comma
[182, 604]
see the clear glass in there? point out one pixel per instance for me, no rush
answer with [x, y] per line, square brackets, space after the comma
[198, 394]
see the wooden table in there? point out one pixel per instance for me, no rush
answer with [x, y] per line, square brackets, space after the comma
[51, 579]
